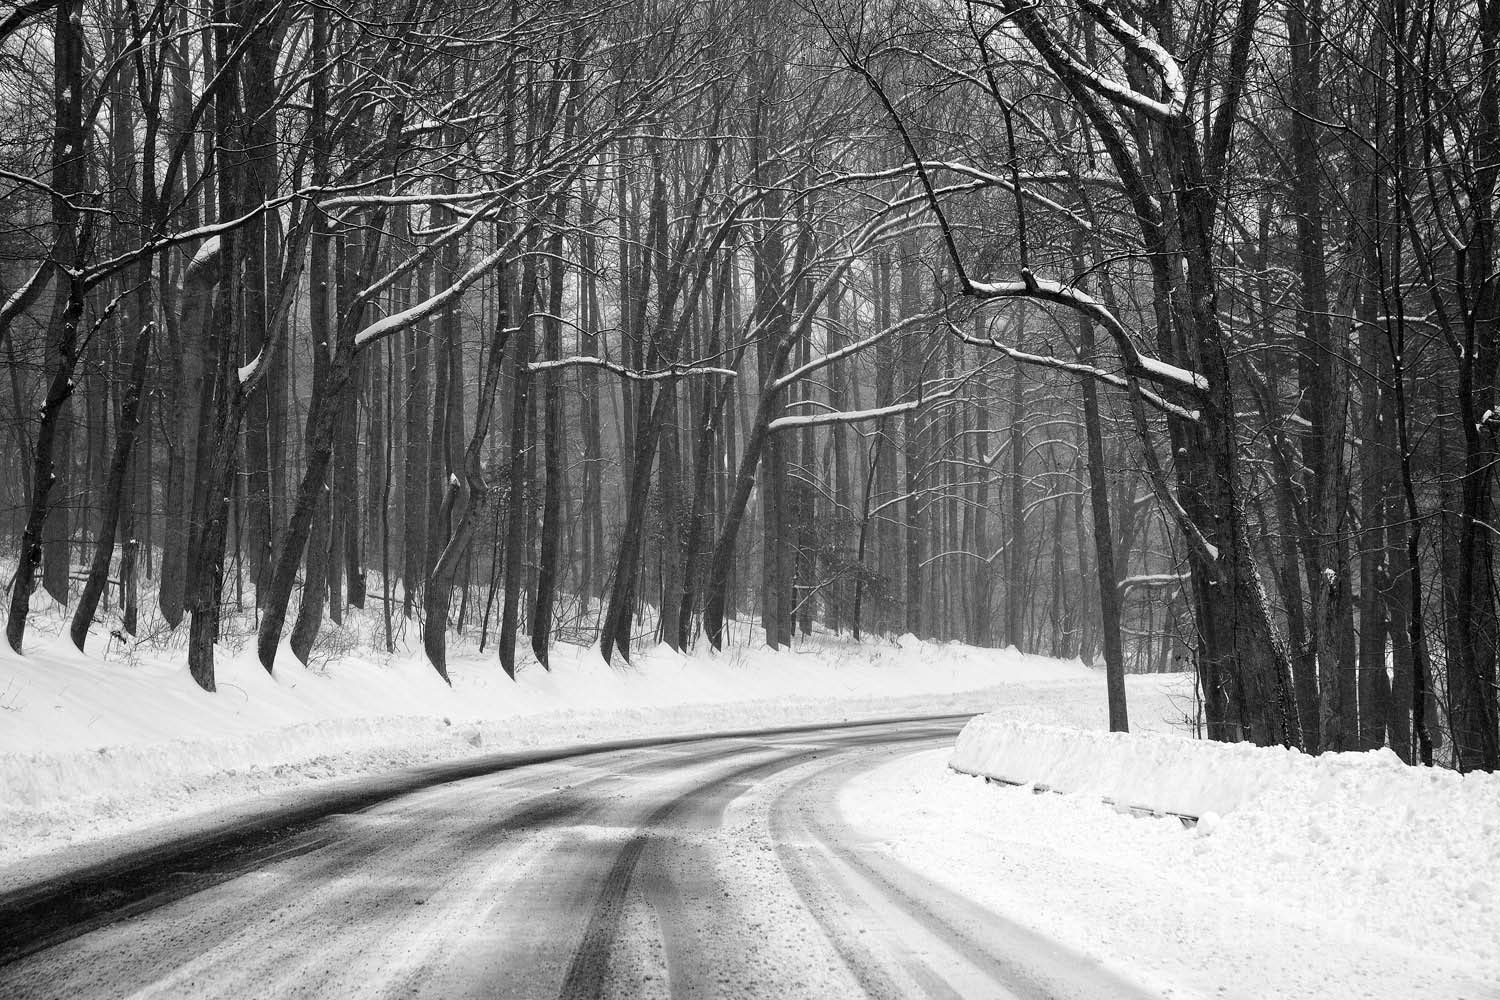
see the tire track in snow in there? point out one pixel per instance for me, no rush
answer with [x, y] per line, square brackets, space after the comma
[565, 878]
[904, 936]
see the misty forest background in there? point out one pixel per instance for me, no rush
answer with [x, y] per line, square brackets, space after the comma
[1161, 333]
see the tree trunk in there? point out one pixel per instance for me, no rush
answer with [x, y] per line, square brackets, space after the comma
[68, 151]
[1104, 555]
[517, 508]
[1016, 546]
[104, 542]
[553, 445]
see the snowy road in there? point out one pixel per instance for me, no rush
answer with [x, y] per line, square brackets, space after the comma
[711, 868]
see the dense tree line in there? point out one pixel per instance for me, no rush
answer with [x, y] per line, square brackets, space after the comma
[1157, 333]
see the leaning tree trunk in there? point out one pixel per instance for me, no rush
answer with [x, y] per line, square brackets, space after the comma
[69, 245]
[299, 526]
[723, 557]
[104, 543]
[199, 283]
[58, 391]
[469, 497]
[324, 410]
[714, 403]
[619, 613]
[1104, 554]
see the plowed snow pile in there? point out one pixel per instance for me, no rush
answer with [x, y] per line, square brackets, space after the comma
[1171, 773]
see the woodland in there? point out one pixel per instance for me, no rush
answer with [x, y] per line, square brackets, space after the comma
[1158, 333]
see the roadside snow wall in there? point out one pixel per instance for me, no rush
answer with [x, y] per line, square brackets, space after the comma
[1199, 778]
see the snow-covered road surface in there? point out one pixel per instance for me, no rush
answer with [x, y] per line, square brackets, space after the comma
[713, 868]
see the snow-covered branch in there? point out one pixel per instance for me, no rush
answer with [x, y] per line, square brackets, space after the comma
[1147, 49]
[421, 198]
[1165, 498]
[797, 374]
[387, 325]
[105, 268]
[1147, 580]
[984, 179]
[26, 180]
[25, 294]
[671, 372]
[1066, 58]
[855, 416]
[1162, 372]
[1142, 366]
[247, 371]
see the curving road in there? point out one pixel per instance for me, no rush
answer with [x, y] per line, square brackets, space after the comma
[713, 867]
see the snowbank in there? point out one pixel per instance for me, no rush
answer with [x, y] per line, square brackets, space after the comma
[1168, 773]
[1409, 854]
[1152, 770]
[1334, 879]
[1344, 875]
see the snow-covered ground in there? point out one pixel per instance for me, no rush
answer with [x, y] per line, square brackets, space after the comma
[1348, 875]
[94, 745]
[1338, 877]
